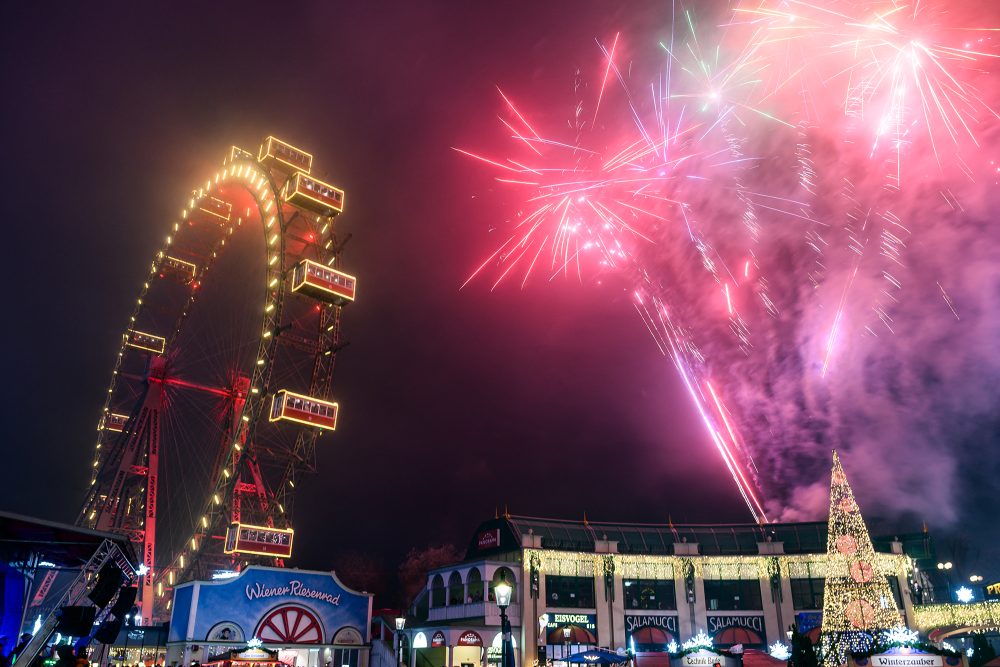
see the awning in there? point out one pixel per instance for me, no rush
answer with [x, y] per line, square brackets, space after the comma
[577, 635]
[598, 656]
[652, 635]
[652, 659]
[755, 658]
[246, 657]
[737, 635]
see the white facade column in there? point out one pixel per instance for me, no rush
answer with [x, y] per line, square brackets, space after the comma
[601, 610]
[776, 618]
[772, 625]
[685, 628]
[608, 603]
[618, 613]
[691, 617]
[531, 608]
[700, 605]
[787, 609]
[527, 636]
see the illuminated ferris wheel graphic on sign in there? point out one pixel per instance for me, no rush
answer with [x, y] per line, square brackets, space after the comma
[221, 387]
[290, 624]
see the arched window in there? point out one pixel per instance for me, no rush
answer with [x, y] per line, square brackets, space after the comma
[456, 589]
[475, 582]
[505, 574]
[437, 591]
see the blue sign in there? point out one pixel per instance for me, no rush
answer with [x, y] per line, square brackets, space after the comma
[275, 605]
[807, 620]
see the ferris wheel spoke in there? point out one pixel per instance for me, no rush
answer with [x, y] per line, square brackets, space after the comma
[181, 436]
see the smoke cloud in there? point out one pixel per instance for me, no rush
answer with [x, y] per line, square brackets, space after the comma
[867, 320]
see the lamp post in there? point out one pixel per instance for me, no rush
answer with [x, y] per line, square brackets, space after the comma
[400, 624]
[567, 635]
[502, 592]
[946, 571]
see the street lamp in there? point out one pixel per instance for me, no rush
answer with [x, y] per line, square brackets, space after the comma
[567, 636]
[400, 624]
[503, 592]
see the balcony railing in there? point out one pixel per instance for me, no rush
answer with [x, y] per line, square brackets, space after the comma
[487, 610]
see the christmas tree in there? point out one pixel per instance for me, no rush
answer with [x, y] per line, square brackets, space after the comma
[857, 601]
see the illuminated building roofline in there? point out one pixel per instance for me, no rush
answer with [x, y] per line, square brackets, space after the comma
[582, 535]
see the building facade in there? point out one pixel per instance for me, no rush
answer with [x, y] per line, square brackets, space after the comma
[309, 618]
[582, 584]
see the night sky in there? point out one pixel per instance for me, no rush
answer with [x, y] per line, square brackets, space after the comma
[553, 401]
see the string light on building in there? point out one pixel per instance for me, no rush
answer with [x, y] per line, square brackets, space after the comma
[581, 564]
[982, 615]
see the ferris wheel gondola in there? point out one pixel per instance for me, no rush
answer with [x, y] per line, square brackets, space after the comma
[188, 441]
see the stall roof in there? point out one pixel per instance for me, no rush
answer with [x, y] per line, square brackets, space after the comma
[61, 544]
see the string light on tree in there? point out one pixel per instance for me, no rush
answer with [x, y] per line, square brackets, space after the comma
[857, 601]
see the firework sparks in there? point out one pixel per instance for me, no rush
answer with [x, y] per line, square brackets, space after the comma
[670, 175]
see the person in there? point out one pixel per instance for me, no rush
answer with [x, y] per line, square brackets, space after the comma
[22, 643]
[66, 656]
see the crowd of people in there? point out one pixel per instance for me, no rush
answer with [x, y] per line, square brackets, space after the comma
[66, 656]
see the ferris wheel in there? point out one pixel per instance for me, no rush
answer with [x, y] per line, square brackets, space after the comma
[221, 387]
